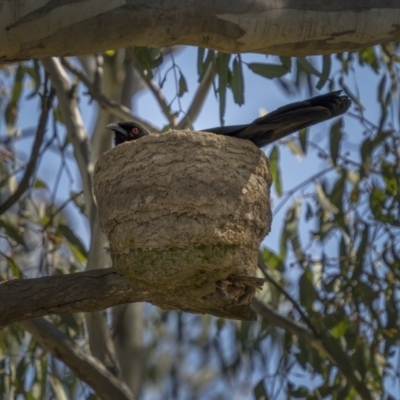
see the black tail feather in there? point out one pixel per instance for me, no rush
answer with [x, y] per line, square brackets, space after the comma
[288, 119]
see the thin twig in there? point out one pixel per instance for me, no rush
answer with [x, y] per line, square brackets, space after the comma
[111, 106]
[166, 109]
[295, 304]
[285, 323]
[302, 184]
[31, 166]
[59, 209]
[198, 99]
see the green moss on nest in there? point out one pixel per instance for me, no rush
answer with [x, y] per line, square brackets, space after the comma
[189, 266]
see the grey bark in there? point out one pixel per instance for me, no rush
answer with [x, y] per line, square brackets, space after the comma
[100, 340]
[128, 338]
[84, 366]
[94, 290]
[34, 29]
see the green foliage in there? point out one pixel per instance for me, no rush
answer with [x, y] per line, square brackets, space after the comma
[11, 110]
[182, 85]
[274, 166]
[268, 70]
[223, 73]
[148, 58]
[237, 82]
[260, 393]
[336, 137]
[290, 233]
[348, 294]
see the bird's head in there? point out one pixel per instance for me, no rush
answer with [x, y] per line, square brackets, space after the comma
[127, 131]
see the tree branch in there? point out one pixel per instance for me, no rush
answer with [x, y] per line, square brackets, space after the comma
[295, 304]
[95, 290]
[156, 93]
[84, 366]
[75, 127]
[106, 76]
[269, 26]
[82, 291]
[111, 106]
[291, 192]
[198, 99]
[31, 166]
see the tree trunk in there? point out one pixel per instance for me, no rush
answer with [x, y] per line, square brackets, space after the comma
[34, 29]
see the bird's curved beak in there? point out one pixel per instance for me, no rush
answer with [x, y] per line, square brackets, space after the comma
[117, 128]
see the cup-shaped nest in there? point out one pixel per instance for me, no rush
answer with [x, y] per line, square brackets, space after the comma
[185, 213]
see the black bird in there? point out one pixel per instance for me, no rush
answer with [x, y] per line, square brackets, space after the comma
[267, 129]
[127, 131]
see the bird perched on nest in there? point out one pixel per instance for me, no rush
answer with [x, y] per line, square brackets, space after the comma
[264, 130]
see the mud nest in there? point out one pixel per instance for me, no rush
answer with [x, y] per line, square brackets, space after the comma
[185, 214]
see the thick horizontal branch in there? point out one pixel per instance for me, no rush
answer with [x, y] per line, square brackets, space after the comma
[30, 29]
[94, 290]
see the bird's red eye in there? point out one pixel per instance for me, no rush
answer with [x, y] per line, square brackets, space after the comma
[135, 131]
